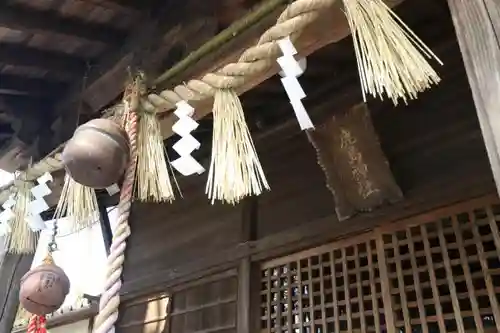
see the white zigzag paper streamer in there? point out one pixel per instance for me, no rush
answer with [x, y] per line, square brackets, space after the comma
[6, 216]
[186, 164]
[39, 205]
[113, 189]
[291, 69]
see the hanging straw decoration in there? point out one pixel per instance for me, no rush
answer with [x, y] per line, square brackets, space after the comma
[235, 171]
[78, 203]
[22, 240]
[153, 178]
[391, 58]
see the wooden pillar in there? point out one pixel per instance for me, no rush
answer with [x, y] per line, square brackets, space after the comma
[356, 169]
[477, 24]
[13, 267]
[248, 272]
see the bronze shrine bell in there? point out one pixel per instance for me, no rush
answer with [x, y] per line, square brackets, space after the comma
[97, 154]
[44, 289]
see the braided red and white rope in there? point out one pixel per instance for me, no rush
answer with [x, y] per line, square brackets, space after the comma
[110, 299]
[37, 324]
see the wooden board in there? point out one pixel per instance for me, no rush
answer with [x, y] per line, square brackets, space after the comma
[355, 167]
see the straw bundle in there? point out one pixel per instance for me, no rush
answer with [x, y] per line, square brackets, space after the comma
[235, 171]
[391, 58]
[22, 240]
[153, 179]
[78, 203]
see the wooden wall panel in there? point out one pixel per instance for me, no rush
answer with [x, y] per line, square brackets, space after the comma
[145, 315]
[298, 187]
[165, 236]
[205, 305]
[430, 144]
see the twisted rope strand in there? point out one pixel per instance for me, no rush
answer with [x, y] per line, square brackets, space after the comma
[255, 60]
[110, 299]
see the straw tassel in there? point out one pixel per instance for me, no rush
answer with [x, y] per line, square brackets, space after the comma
[391, 58]
[235, 171]
[78, 203]
[23, 240]
[153, 178]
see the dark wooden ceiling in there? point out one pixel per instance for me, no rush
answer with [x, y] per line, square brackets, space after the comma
[61, 56]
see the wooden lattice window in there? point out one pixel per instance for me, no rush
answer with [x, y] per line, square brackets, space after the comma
[332, 289]
[445, 275]
[438, 272]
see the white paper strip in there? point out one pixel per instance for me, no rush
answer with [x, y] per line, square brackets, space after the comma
[4, 228]
[291, 69]
[39, 205]
[186, 164]
[36, 223]
[113, 189]
[9, 203]
[6, 215]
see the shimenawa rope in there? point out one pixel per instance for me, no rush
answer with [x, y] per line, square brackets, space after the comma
[253, 61]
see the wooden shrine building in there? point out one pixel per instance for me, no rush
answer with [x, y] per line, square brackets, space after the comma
[411, 245]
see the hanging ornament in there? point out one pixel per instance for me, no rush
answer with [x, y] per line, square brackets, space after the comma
[153, 178]
[97, 154]
[391, 58]
[235, 170]
[43, 289]
[78, 203]
[186, 164]
[23, 239]
[291, 70]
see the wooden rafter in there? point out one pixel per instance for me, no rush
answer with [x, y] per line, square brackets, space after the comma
[107, 76]
[14, 85]
[24, 19]
[30, 57]
[135, 4]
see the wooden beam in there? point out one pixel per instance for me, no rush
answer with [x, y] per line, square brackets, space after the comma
[477, 24]
[22, 18]
[143, 5]
[13, 84]
[11, 54]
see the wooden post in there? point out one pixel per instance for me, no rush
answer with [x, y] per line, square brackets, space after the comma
[477, 24]
[107, 233]
[354, 164]
[13, 267]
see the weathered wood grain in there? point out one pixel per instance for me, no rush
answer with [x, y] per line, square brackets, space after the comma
[355, 167]
[477, 24]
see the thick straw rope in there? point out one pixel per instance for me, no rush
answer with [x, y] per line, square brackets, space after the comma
[255, 60]
[110, 299]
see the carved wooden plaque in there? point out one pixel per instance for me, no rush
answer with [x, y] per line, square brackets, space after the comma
[356, 169]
